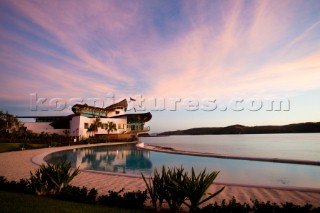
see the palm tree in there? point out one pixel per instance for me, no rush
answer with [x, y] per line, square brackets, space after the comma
[90, 130]
[110, 127]
[95, 125]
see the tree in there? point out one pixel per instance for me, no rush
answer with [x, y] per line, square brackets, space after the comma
[95, 125]
[67, 135]
[90, 130]
[9, 124]
[110, 127]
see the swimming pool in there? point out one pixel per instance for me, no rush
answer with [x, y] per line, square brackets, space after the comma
[127, 159]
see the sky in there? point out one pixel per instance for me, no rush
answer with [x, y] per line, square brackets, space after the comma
[191, 64]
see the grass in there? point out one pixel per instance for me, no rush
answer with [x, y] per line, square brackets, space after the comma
[18, 202]
[7, 147]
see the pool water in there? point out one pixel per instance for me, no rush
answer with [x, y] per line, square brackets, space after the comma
[127, 159]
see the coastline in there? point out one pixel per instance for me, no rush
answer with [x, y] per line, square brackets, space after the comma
[18, 164]
[193, 153]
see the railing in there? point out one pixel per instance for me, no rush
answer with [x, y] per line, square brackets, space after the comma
[146, 129]
[137, 131]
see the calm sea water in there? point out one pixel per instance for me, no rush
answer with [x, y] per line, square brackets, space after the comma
[129, 160]
[289, 146]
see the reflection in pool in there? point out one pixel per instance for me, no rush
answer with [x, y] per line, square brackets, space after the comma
[129, 160]
[116, 158]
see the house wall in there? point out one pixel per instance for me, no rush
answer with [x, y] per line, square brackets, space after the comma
[79, 126]
[121, 125]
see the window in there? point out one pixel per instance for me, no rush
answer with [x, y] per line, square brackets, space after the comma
[120, 126]
[86, 125]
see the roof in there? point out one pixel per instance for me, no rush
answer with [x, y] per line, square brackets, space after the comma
[84, 108]
[79, 108]
[122, 103]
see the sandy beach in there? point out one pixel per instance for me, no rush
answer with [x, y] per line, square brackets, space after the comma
[18, 164]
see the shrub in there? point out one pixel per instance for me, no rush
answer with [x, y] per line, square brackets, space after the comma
[172, 194]
[112, 199]
[175, 187]
[151, 188]
[257, 207]
[232, 206]
[134, 200]
[129, 200]
[51, 178]
[194, 187]
[161, 187]
[13, 186]
[77, 194]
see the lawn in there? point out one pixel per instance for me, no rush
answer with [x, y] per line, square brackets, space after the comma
[7, 147]
[18, 202]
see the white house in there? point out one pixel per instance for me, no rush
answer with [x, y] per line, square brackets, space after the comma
[78, 124]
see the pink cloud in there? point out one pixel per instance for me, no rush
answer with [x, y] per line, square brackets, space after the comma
[224, 57]
[73, 25]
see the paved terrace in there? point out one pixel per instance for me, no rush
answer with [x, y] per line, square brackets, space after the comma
[18, 164]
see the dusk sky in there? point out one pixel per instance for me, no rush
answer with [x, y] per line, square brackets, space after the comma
[211, 59]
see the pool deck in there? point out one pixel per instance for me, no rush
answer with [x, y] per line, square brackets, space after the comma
[18, 164]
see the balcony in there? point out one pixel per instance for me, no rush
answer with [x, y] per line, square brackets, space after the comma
[137, 130]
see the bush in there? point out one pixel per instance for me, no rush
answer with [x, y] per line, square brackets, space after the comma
[51, 178]
[257, 207]
[175, 187]
[134, 200]
[129, 200]
[162, 188]
[13, 186]
[112, 199]
[194, 187]
[232, 206]
[77, 194]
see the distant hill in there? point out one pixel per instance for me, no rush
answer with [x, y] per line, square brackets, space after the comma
[239, 129]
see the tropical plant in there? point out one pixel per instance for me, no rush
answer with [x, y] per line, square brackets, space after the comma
[151, 188]
[95, 125]
[173, 195]
[90, 130]
[10, 126]
[8, 121]
[194, 188]
[176, 187]
[162, 188]
[110, 127]
[51, 178]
